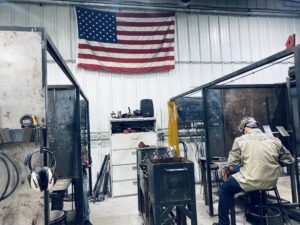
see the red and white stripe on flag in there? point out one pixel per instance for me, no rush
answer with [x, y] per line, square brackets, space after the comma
[144, 42]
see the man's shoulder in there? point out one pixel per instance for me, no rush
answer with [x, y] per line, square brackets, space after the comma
[255, 134]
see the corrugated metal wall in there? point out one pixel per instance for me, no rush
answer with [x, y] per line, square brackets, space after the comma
[207, 47]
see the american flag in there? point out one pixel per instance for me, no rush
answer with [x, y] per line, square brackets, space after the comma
[125, 42]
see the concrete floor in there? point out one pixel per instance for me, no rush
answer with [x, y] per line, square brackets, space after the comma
[124, 210]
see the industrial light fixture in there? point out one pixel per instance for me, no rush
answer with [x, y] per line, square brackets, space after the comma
[184, 2]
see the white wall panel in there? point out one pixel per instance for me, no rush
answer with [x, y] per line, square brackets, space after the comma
[234, 33]
[20, 14]
[255, 41]
[204, 37]
[193, 37]
[214, 35]
[5, 14]
[182, 37]
[225, 38]
[244, 39]
[35, 13]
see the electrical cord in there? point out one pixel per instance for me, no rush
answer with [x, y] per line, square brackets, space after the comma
[8, 177]
[4, 158]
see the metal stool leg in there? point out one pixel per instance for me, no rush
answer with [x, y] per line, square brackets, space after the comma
[284, 215]
[194, 214]
[265, 207]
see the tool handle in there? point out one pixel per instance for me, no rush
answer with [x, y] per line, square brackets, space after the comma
[176, 170]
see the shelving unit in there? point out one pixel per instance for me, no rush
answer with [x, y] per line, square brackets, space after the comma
[22, 135]
[123, 151]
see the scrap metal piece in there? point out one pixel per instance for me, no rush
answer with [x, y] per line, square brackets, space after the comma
[267, 130]
[27, 136]
[5, 135]
[282, 131]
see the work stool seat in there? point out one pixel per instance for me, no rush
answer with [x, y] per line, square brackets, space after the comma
[267, 207]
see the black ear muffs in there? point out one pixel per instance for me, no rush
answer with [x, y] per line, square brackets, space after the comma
[41, 179]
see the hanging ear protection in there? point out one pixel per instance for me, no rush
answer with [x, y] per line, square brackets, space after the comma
[41, 178]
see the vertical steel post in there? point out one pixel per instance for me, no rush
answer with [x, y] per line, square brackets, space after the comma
[208, 159]
[44, 141]
[297, 131]
[89, 145]
[78, 181]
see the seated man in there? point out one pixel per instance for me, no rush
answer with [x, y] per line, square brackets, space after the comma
[260, 158]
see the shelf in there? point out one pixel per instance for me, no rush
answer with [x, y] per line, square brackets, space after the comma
[22, 135]
[132, 125]
[133, 119]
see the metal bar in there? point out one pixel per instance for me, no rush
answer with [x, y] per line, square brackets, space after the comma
[43, 144]
[208, 161]
[61, 87]
[61, 63]
[171, 7]
[241, 86]
[99, 178]
[89, 147]
[282, 131]
[292, 170]
[78, 183]
[267, 130]
[236, 73]
[189, 62]
[204, 181]
[25, 29]
[44, 135]
[297, 75]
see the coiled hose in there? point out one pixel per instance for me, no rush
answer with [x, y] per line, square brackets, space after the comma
[5, 159]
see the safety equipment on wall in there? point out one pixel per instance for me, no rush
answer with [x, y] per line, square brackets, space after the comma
[28, 121]
[41, 178]
[173, 127]
[247, 122]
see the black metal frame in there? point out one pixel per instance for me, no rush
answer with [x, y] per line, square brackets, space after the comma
[79, 92]
[295, 51]
[48, 46]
